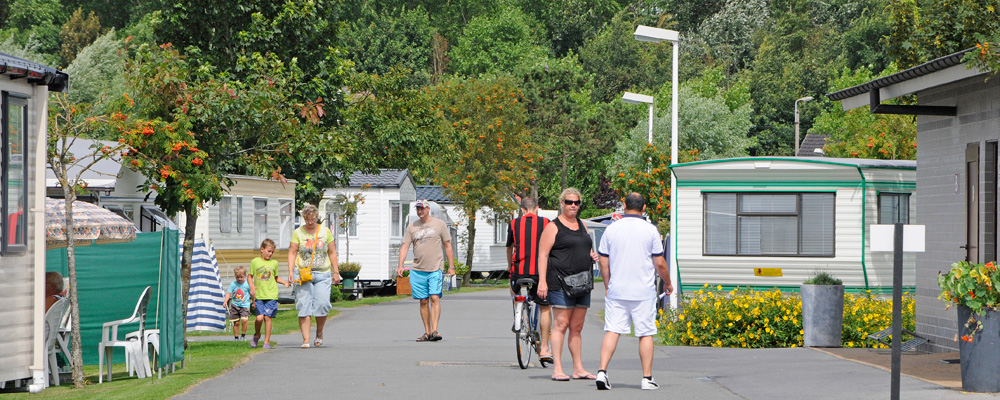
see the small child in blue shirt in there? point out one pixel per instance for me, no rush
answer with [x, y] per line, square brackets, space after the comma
[238, 300]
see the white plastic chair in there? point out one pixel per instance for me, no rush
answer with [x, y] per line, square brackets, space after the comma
[53, 321]
[62, 340]
[152, 338]
[109, 340]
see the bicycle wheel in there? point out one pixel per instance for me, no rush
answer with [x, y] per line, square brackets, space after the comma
[536, 335]
[523, 339]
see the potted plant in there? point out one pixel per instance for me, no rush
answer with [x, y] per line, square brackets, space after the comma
[971, 287]
[403, 283]
[349, 271]
[822, 310]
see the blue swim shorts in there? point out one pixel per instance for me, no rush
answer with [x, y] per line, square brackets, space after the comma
[268, 308]
[425, 284]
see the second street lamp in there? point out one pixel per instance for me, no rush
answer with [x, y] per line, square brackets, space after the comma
[635, 98]
[804, 99]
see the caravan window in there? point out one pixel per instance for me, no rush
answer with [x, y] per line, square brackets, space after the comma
[259, 220]
[13, 174]
[239, 214]
[399, 213]
[226, 214]
[500, 231]
[893, 208]
[769, 224]
[286, 211]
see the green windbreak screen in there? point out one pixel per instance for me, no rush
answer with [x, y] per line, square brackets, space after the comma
[110, 278]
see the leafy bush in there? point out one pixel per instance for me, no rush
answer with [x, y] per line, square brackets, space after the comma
[335, 294]
[823, 278]
[460, 269]
[761, 319]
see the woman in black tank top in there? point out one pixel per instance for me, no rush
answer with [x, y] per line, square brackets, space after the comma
[565, 249]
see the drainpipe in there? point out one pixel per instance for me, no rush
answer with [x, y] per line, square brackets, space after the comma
[37, 238]
[864, 225]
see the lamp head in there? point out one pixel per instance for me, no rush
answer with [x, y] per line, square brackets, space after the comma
[635, 98]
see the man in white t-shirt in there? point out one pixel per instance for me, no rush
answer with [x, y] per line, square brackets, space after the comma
[631, 253]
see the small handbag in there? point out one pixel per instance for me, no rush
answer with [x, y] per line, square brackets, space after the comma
[578, 284]
[305, 273]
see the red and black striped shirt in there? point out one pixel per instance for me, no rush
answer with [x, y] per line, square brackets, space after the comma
[524, 234]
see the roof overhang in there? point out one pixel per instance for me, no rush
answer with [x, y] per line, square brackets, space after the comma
[17, 68]
[925, 76]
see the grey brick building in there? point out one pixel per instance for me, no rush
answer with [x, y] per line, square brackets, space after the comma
[958, 128]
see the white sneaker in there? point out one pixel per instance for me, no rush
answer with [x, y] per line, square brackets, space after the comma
[648, 384]
[602, 381]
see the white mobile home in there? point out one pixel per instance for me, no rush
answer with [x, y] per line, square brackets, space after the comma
[254, 209]
[24, 93]
[800, 215]
[373, 237]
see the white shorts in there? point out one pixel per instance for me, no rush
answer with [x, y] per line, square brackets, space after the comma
[619, 315]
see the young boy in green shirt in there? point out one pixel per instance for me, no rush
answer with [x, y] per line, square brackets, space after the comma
[264, 280]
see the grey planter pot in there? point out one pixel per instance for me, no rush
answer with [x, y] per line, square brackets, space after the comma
[981, 357]
[822, 315]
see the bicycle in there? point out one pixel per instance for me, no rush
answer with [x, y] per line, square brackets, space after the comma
[527, 338]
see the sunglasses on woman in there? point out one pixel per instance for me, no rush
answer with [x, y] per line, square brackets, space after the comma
[572, 202]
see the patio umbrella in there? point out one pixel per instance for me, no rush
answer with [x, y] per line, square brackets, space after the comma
[91, 223]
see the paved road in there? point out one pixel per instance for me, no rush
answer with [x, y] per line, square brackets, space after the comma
[371, 352]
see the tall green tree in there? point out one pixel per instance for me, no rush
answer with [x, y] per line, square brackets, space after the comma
[922, 30]
[204, 127]
[78, 32]
[618, 62]
[497, 43]
[380, 40]
[391, 124]
[571, 131]
[488, 152]
[570, 23]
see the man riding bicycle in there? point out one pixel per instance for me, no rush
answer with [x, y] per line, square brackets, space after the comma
[523, 234]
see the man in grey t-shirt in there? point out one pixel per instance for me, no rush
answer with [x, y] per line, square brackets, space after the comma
[427, 235]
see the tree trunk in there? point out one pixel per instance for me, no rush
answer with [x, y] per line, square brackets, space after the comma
[191, 216]
[472, 239]
[76, 344]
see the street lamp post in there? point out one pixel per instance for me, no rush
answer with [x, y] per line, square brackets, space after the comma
[803, 100]
[650, 34]
[635, 98]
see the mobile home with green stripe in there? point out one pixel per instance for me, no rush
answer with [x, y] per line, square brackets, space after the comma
[766, 222]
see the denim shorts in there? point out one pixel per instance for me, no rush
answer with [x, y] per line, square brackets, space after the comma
[558, 299]
[267, 308]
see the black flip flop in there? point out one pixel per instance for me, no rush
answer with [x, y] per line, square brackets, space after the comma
[435, 336]
[425, 338]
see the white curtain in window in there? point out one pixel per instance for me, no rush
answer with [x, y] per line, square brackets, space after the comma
[720, 223]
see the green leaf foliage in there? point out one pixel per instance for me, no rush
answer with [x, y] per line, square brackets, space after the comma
[497, 43]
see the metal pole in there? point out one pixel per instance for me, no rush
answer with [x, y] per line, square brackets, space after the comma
[650, 123]
[674, 100]
[897, 308]
[796, 128]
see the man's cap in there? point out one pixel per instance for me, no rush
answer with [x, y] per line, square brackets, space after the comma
[423, 203]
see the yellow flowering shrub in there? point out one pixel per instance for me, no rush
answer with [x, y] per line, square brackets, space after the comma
[759, 319]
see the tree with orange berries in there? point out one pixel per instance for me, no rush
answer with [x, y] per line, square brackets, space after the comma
[487, 153]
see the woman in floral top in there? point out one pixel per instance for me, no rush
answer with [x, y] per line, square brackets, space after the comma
[312, 245]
